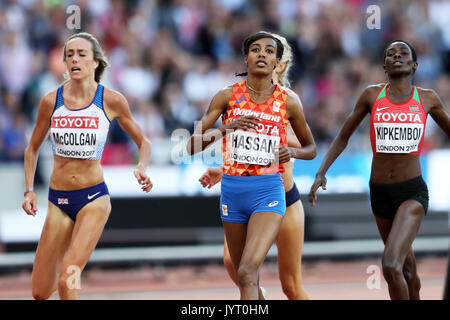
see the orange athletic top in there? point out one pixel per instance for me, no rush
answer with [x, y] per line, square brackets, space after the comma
[397, 127]
[253, 152]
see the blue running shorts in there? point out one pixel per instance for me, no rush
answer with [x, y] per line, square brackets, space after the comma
[242, 196]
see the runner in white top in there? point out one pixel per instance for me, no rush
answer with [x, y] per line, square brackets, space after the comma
[79, 203]
[79, 133]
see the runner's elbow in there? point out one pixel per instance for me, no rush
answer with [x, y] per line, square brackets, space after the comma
[313, 153]
[31, 150]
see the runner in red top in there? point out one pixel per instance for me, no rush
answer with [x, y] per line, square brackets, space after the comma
[397, 127]
[398, 194]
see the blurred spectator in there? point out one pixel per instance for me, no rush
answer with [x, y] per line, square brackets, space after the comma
[170, 57]
[13, 128]
[15, 62]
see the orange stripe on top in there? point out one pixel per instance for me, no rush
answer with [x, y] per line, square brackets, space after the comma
[273, 121]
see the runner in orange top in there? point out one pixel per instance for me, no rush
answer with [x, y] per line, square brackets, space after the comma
[251, 153]
[290, 237]
[252, 195]
[398, 194]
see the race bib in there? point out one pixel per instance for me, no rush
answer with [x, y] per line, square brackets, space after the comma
[75, 137]
[398, 137]
[252, 147]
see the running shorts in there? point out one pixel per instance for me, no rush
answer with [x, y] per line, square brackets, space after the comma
[71, 202]
[242, 196]
[387, 198]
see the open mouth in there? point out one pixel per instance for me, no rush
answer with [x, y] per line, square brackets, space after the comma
[261, 63]
[75, 69]
[397, 63]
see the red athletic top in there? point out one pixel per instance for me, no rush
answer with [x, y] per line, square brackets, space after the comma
[252, 152]
[397, 127]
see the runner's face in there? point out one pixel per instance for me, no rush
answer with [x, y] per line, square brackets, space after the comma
[262, 57]
[79, 58]
[398, 59]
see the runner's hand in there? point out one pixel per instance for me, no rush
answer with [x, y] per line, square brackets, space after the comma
[29, 204]
[211, 177]
[143, 179]
[284, 154]
[320, 181]
[243, 123]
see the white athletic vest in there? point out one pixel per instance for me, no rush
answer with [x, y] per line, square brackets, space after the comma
[79, 133]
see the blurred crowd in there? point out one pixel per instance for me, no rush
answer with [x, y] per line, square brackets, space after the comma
[170, 57]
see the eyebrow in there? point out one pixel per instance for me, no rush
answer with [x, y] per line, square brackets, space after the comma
[403, 47]
[257, 44]
[76, 50]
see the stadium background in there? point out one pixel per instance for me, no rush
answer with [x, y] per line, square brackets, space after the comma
[169, 58]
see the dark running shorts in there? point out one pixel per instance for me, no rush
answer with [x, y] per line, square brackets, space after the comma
[71, 202]
[292, 196]
[387, 198]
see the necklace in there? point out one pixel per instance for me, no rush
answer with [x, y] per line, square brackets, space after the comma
[256, 91]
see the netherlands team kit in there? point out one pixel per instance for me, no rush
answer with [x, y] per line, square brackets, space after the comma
[251, 180]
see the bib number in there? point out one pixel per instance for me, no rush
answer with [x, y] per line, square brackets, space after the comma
[252, 148]
[398, 137]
